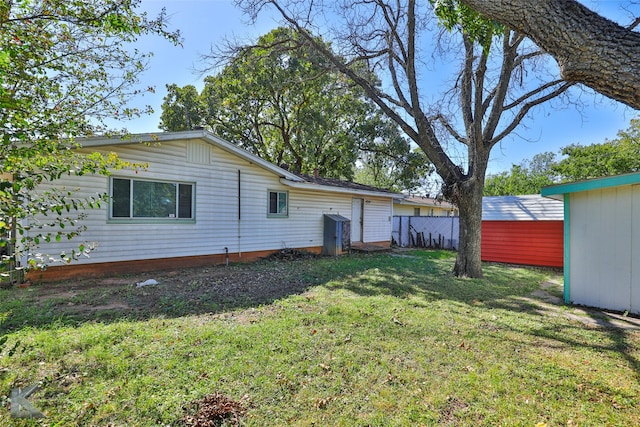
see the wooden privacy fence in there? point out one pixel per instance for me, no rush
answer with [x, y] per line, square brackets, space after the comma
[426, 231]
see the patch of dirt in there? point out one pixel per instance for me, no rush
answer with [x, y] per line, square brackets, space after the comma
[553, 305]
[198, 290]
[450, 412]
[291, 255]
[212, 411]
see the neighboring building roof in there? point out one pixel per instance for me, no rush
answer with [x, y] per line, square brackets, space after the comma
[521, 208]
[557, 191]
[287, 178]
[423, 201]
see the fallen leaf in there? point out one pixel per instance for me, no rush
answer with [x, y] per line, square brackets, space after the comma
[397, 322]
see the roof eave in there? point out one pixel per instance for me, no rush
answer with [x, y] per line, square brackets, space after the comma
[558, 191]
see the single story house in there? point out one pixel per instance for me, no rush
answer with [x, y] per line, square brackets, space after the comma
[526, 230]
[601, 241]
[202, 200]
[422, 206]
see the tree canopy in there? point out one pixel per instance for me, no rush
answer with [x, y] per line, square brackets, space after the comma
[65, 67]
[577, 162]
[487, 96]
[283, 101]
[526, 178]
[618, 156]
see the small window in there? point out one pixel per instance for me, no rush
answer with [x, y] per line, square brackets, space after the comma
[278, 204]
[132, 198]
[416, 211]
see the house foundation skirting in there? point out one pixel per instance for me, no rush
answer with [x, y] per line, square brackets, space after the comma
[104, 269]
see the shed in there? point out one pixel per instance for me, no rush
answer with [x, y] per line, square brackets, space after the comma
[601, 241]
[525, 230]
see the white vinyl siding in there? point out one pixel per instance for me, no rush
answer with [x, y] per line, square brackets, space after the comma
[225, 185]
[410, 210]
[604, 248]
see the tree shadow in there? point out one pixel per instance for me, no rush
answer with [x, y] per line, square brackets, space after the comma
[422, 276]
[180, 292]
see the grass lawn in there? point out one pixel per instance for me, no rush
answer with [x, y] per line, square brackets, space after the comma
[381, 340]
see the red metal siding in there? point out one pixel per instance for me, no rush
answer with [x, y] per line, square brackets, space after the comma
[523, 242]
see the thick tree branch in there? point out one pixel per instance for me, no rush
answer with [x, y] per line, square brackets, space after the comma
[509, 54]
[589, 48]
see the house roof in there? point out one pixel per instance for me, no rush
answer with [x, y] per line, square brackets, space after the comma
[343, 186]
[423, 201]
[559, 190]
[337, 186]
[521, 208]
[286, 177]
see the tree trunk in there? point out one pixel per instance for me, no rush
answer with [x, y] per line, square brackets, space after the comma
[589, 48]
[469, 201]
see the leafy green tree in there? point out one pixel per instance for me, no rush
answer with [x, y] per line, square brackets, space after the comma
[526, 178]
[182, 109]
[390, 162]
[579, 162]
[487, 98]
[65, 68]
[283, 101]
[618, 156]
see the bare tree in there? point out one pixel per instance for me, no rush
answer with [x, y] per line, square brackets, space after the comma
[589, 48]
[492, 94]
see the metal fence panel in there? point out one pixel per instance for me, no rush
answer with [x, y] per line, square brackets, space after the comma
[426, 231]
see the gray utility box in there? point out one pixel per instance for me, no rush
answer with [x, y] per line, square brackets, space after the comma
[337, 235]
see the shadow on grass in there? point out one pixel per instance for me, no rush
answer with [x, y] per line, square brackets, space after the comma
[424, 276]
[193, 291]
[503, 288]
[421, 276]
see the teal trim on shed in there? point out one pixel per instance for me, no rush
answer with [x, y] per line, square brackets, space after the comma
[555, 191]
[567, 249]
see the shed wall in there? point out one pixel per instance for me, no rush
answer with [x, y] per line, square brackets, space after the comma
[605, 248]
[523, 242]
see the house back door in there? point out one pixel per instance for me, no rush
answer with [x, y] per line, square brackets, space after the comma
[356, 220]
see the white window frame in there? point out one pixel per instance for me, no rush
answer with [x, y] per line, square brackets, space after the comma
[278, 213]
[171, 217]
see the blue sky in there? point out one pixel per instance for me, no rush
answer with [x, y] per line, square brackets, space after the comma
[207, 22]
